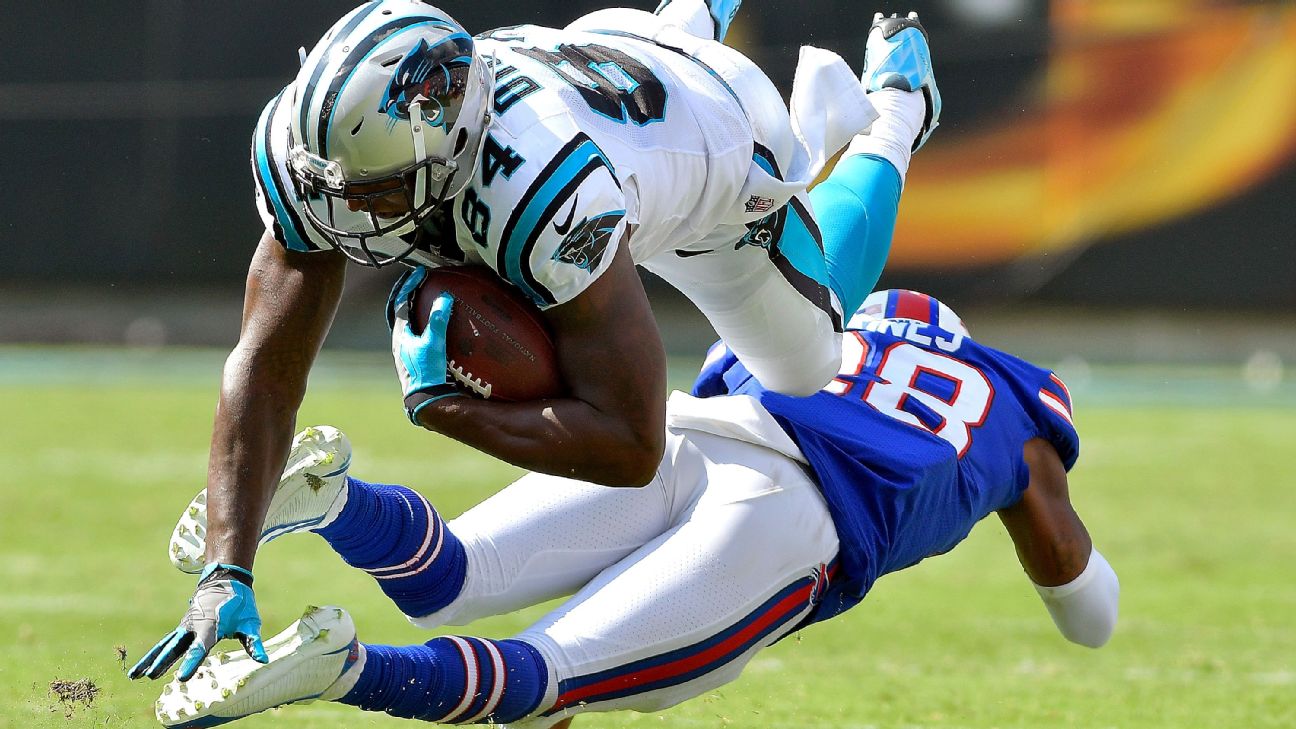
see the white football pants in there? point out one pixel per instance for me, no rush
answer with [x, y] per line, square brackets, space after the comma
[677, 584]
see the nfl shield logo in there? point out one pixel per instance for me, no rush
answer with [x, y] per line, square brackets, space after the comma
[758, 204]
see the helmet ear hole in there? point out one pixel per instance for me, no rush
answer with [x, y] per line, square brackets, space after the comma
[461, 141]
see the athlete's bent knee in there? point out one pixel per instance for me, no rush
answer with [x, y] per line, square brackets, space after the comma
[803, 380]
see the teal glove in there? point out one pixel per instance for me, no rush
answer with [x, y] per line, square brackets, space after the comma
[222, 607]
[420, 358]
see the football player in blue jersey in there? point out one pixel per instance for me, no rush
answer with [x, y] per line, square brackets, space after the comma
[767, 513]
[561, 159]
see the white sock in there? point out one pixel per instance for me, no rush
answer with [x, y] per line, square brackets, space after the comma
[892, 135]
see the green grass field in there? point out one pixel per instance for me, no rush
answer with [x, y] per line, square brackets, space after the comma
[1190, 499]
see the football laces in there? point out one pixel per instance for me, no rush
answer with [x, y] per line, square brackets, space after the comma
[466, 378]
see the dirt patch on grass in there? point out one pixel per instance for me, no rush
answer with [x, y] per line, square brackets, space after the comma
[72, 695]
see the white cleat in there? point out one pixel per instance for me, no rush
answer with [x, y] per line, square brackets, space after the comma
[310, 495]
[317, 657]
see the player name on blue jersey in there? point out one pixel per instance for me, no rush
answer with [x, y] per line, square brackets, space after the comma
[917, 332]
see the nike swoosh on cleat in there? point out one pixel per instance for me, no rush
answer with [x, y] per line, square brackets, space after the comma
[561, 229]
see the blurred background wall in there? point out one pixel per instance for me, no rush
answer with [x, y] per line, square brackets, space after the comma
[1110, 177]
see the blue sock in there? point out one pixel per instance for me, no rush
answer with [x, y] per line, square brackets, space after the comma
[856, 211]
[396, 536]
[452, 680]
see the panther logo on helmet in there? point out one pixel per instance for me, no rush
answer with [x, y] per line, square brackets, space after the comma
[389, 116]
[426, 75]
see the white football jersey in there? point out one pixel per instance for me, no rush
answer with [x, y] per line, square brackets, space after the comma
[627, 128]
[594, 133]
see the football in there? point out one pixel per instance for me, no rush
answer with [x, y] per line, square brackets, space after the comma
[497, 343]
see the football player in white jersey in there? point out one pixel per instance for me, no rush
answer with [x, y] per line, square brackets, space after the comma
[561, 159]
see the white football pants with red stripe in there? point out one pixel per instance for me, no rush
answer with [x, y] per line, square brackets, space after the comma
[677, 584]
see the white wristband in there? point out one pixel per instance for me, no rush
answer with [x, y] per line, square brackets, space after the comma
[1085, 608]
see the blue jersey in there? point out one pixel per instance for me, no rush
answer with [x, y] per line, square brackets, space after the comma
[919, 437]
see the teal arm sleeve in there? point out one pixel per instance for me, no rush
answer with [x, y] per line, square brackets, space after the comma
[856, 210]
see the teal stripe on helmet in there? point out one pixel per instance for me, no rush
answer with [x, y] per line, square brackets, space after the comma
[273, 187]
[309, 91]
[353, 60]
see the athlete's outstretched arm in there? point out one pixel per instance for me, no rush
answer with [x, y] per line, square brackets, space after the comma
[611, 428]
[288, 308]
[1076, 583]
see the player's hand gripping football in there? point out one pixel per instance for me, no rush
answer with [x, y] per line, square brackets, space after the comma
[420, 358]
[222, 607]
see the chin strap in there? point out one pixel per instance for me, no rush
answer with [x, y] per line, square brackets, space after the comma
[417, 121]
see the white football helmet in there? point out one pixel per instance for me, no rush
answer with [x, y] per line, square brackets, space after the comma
[906, 304]
[388, 119]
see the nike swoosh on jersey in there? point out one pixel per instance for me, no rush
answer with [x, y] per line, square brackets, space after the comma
[561, 229]
[690, 254]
